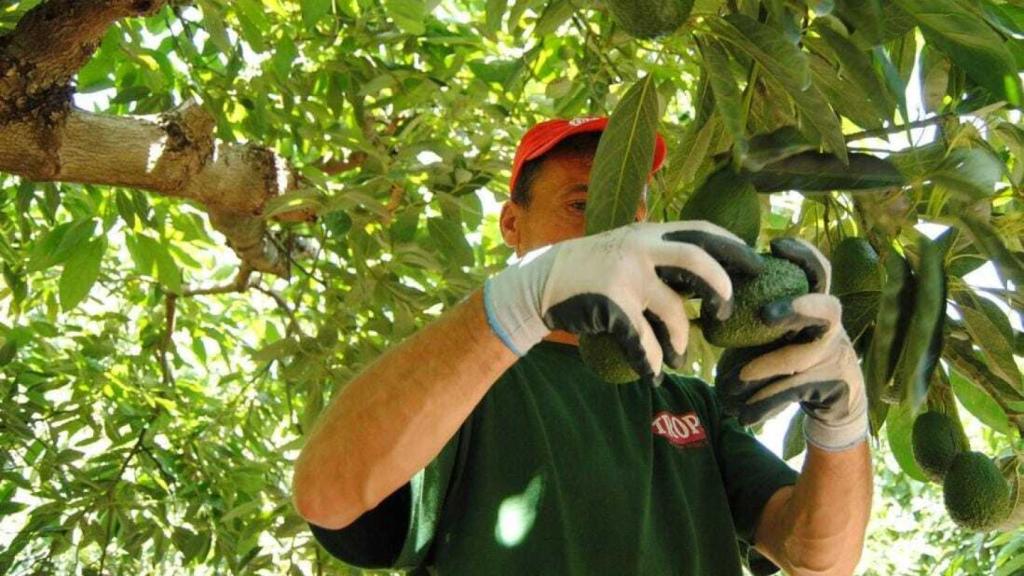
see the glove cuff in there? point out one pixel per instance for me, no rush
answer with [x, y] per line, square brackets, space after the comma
[838, 434]
[511, 303]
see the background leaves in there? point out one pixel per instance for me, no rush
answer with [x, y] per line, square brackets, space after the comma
[150, 412]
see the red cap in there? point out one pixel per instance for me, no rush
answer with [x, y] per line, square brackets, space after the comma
[546, 135]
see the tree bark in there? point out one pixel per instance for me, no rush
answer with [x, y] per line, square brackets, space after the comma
[44, 138]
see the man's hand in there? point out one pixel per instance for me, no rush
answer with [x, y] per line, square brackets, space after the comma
[624, 282]
[818, 368]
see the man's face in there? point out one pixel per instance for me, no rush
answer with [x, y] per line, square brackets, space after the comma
[557, 205]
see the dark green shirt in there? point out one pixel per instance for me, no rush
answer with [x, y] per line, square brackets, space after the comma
[557, 472]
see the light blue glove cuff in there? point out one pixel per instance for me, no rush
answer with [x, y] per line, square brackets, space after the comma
[512, 300]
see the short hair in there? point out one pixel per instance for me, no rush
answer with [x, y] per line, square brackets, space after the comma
[584, 144]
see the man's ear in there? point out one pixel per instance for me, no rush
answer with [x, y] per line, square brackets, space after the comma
[509, 222]
[641, 211]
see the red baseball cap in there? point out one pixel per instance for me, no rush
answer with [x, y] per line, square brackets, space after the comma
[546, 135]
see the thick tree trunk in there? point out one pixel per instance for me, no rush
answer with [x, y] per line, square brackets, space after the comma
[44, 138]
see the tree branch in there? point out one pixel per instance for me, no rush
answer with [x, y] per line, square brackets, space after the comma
[239, 284]
[44, 138]
[894, 129]
[49, 45]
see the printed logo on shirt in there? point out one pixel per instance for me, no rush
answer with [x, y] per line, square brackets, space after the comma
[580, 121]
[681, 430]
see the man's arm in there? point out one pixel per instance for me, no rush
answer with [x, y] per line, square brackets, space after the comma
[817, 526]
[397, 415]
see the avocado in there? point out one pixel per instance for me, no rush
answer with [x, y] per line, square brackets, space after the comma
[857, 282]
[977, 496]
[780, 279]
[650, 18]
[602, 354]
[936, 440]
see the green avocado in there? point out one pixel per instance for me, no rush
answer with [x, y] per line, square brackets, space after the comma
[778, 280]
[650, 18]
[936, 441]
[601, 353]
[857, 282]
[977, 496]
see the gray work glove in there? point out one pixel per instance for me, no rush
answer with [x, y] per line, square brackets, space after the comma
[816, 366]
[624, 282]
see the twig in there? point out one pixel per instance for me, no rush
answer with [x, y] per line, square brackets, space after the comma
[293, 323]
[163, 472]
[170, 308]
[136, 448]
[334, 167]
[291, 260]
[892, 129]
[239, 284]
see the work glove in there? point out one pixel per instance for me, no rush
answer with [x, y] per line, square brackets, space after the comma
[625, 282]
[814, 365]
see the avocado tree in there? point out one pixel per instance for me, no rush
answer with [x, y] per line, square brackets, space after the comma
[213, 214]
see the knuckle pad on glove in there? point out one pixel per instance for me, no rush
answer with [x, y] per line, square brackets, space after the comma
[730, 252]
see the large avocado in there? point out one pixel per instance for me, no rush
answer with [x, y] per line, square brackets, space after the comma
[976, 495]
[936, 442]
[780, 279]
[650, 18]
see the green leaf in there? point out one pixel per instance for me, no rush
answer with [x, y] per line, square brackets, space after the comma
[856, 66]
[167, 271]
[728, 98]
[899, 427]
[775, 146]
[495, 11]
[970, 42]
[887, 339]
[1008, 265]
[935, 68]
[969, 173]
[308, 199]
[794, 443]
[865, 17]
[623, 159]
[1013, 136]
[7, 352]
[727, 199]
[556, 12]
[58, 244]
[849, 99]
[983, 324]
[979, 402]
[314, 10]
[815, 172]
[408, 15]
[451, 240]
[924, 332]
[686, 158]
[786, 64]
[80, 272]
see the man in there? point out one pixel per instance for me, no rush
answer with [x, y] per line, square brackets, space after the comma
[483, 445]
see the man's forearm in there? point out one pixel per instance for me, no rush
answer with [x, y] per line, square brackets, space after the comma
[395, 417]
[821, 520]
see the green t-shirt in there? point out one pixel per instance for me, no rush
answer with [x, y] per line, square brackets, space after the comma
[557, 472]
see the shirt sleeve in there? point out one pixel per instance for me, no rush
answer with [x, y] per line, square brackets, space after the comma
[399, 532]
[751, 474]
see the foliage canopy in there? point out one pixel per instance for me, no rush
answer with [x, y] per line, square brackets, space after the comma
[156, 379]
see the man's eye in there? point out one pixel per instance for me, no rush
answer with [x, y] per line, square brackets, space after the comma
[580, 206]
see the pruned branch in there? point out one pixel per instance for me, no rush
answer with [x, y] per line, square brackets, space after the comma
[44, 138]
